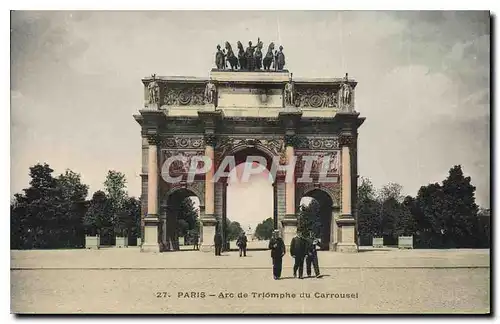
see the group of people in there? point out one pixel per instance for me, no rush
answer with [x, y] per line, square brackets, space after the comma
[301, 249]
[241, 242]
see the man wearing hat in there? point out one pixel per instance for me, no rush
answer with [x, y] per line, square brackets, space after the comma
[298, 250]
[312, 256]
[277, 247]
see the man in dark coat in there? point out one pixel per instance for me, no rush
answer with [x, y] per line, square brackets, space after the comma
[241, 242]
[218, 243]
[195, 241]
[312, 257]
[277, 247]
[298, 250]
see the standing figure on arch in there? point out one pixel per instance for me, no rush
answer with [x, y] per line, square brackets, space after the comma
[219, 59]
[258, 56]
[280, 60]
[154, 91]
[289, 89]
[345, 94]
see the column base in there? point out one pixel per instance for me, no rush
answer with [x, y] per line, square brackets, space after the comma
[332, 247]
[207, 248]
[208, 232]
[150, 248]
[151, 243]
[347, 247]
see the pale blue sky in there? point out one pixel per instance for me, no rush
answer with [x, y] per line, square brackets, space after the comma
[423, 85]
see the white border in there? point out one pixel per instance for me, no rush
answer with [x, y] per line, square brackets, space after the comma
[200, 5]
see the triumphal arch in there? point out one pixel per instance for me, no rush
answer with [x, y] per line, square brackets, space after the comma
[240, 111]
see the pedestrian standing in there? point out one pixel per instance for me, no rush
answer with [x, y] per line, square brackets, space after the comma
[312, 257]
[241, 242]
[218, 243]
[298, 250]
[277, 247]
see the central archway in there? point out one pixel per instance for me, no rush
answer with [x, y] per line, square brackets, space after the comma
[241, 185]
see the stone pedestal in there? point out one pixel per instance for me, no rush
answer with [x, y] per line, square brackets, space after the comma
[121, 241]
[150, 243]
[208, 233]
[346, 230]
[289, 228]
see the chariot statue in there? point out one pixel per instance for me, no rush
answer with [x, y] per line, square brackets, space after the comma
[268, 59]
[231, 58]
[241, 56]
[249, 54]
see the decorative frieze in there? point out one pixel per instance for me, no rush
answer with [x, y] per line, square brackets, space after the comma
[185, 96]
[318, 143]
[317, 97]
[182, 142]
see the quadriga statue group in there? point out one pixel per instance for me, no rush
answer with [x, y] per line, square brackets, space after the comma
[250, 59]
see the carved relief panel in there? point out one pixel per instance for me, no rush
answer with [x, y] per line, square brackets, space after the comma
[316, 97]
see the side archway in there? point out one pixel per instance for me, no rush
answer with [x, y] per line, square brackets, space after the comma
[326, 211]
[175, 221]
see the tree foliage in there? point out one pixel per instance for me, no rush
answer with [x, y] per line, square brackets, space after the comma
[308, 220]
[53, 211]
[50, 212]
[441, 215]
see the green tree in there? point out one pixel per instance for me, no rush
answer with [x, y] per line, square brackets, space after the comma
[369, 221]
[233, 230]
[49, 213]
[74, 206]
[42, 207]
[187, 217]
[405, 223]
[460, 211]
[133, 208]
[264, 230]
[309, 218]
[115, 188]
[96, 217]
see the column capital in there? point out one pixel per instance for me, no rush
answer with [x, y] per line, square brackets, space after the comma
[291, 140]
[210, 139]
[153, 139]
[346, 139]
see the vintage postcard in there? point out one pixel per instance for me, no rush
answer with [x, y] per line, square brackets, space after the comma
[250, 162]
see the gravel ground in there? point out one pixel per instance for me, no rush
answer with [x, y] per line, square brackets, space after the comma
[127, 281]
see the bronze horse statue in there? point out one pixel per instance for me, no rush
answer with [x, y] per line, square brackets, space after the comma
[231, 58]
[241, 56]
[268, 59]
